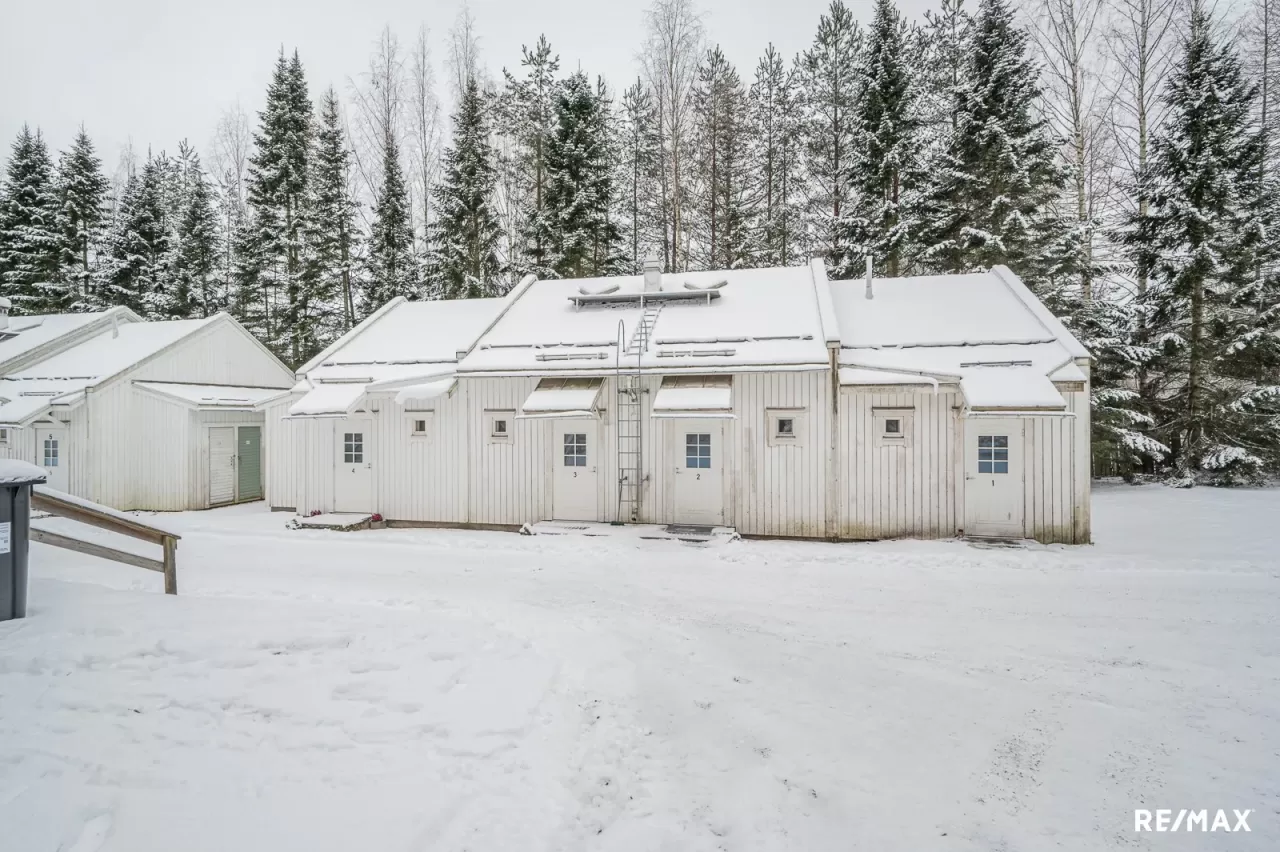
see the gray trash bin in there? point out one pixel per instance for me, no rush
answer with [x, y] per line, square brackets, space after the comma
[16, 479]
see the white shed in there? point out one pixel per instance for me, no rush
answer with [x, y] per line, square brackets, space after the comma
[770, 400]
[144, 415]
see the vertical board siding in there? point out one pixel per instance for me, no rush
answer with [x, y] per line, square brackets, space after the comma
[279, 459]
[1049, 494]
[897, 491]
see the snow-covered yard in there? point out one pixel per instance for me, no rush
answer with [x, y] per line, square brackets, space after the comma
[446, 690]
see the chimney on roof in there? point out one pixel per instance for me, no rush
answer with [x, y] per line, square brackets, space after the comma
[652, 275]
[115, 324]
[5, 305]
[870, 294]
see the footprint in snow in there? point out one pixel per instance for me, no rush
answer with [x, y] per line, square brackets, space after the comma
[92, 835]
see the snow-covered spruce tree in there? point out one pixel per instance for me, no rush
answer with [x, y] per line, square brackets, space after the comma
[135, 271]
[30, 242]
[722, 206]
[829, 82]
[199, 249]
[941, 46]
[774, 158]
[389, 259]
[992, 192]
[82, 196]
[527, 110]
[885, 169]
[465, 234]
[331, 226]
[276, 190]
[1215, 318]
[583, 239]
[638, 168]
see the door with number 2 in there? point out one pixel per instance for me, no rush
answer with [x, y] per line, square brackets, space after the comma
[698, 450]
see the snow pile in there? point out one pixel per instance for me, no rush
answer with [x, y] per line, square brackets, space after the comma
[414, 689]
[16, 470]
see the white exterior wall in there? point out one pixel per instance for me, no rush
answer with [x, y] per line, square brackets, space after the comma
[280, 462]
[889, 491]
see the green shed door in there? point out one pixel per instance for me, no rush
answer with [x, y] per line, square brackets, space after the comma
[249, 463]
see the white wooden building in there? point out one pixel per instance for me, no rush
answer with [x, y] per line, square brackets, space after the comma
[772, 400]
[138, 415]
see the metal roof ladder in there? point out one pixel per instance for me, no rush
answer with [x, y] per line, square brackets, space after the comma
[630, 418]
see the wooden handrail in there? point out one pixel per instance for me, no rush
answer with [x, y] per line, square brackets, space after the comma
[111, 521]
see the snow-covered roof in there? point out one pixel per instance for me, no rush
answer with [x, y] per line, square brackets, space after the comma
[27, 334]
[17, 471]
[211, 396]
[403, 340]
[62, 378]
[726, 320]
[984, 331]
[329, 400]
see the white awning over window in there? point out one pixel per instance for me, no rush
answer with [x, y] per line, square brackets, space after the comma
[425, 392]
[562, 398]
[329, 400]
[695, 396]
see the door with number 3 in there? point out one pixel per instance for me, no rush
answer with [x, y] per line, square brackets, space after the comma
[575, 457]
[993, 478]
[698, 449]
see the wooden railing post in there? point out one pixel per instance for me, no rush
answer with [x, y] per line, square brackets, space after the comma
[170, 565]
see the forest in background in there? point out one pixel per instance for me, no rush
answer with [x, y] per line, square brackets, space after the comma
[1116, 156]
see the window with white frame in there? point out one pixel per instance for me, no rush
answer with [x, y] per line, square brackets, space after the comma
[500, 425]
[785, 425]
[353, 448]
[575, 449]
[893, 426]
[420, 424]
[993, 454]
[4, 437]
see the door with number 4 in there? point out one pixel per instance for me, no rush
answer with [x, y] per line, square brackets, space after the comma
[699, 479]
[993, 478]
[575, 456]
[353, 465]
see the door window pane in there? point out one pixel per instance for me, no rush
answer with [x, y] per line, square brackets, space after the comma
[993, 454]
[575, 449]
[353, 448]
[50, 452]
[697, 450]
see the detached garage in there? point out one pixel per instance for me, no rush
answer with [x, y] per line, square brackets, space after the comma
[158, 416]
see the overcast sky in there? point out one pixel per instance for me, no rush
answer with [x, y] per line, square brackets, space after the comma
[158, 71]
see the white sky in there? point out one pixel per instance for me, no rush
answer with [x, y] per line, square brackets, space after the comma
[158, 71]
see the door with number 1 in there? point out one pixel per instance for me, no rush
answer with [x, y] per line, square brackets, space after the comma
[576, 496]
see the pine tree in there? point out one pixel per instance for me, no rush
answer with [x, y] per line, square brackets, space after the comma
[277, 186]
[993, 191]
[830, 83]
[465, 235]
[135, 272]
[639, 162]
[528, 111]
[775, 157]
[885, 169]
[583, 240]
[1218, 395]
[30, 242]
[391, 268]
[331, 227]
[82, 196]
[723, 205]
[199, 250]
[942, 48]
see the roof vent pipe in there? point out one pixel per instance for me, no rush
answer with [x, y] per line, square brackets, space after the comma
[870, 294]
[652, 275]
[115, 324]
[5, 305]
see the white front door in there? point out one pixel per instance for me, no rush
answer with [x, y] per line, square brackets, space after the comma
[51, 454]
[576, 459]
[353, 465]
[699, 460]
[222, 465]
[993, 491]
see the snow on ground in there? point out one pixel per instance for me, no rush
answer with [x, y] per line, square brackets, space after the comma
[447, 690]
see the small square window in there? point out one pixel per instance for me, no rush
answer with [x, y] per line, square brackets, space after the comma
[499, 428]
[4, 437]
[419, 427]
[893, 426]
[786, 427]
